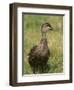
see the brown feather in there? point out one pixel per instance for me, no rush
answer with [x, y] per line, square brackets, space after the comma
[39, 55]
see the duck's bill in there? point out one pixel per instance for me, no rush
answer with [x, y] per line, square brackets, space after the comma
[50, 28]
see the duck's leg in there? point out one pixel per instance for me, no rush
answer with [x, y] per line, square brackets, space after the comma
[34, 70]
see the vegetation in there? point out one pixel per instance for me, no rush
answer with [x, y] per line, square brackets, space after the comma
[32, 36]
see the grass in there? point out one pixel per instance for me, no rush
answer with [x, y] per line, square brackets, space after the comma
[32, 36]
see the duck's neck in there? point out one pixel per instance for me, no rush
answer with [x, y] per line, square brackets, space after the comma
[43, 39]
[44, 35]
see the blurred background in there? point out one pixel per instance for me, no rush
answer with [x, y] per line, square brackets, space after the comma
[32, 35]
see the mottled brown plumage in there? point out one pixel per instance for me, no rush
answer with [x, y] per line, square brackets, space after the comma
[39, 55]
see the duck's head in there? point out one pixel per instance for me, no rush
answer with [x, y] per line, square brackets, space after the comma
[46, 27]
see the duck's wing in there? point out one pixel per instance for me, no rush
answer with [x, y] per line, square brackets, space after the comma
[33, 49]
